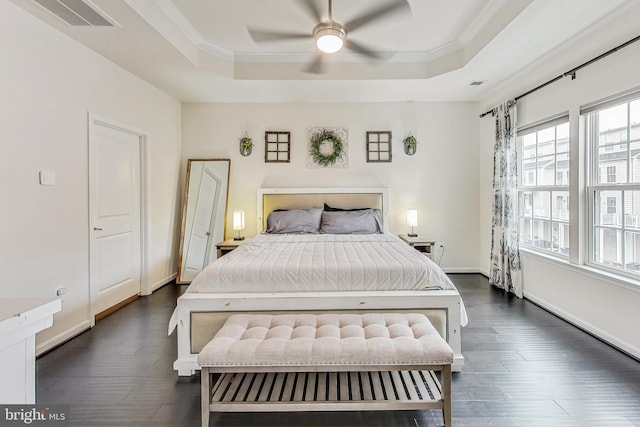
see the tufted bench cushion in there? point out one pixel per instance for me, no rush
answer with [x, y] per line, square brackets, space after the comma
[326, 339]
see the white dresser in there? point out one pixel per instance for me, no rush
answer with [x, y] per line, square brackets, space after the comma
[20, 320]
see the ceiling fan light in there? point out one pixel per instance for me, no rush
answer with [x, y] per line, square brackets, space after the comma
[331, 39]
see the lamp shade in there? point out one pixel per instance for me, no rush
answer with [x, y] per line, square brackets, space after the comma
[412, 218]
[329, 37]
[238, 220]
[329, 43]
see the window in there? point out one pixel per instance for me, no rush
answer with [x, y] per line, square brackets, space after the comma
[611, 205]
[613, 137]
[544, 186]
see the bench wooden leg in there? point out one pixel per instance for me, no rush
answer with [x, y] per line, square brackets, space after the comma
[205, 392]
[446, 395]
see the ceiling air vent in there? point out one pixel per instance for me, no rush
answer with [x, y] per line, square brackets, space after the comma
[77, 13]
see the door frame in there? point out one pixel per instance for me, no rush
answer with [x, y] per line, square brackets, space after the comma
[143, 136]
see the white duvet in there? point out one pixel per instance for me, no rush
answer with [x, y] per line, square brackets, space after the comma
[323, 263]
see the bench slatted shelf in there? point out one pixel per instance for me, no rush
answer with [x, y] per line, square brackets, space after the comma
[293, 391]
[278, 377]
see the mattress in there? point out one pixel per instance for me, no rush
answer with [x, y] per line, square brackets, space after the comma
[321, 263]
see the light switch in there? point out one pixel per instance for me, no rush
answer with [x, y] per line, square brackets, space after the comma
[47, 178]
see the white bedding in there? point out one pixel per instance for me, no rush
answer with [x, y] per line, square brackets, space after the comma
[324, 262]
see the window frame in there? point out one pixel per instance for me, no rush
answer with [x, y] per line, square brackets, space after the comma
[594, 189]
[529, 190]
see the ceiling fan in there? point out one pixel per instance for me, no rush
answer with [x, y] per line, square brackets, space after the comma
[331, 36]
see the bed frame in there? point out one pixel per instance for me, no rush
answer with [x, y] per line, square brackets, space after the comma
[199, 316]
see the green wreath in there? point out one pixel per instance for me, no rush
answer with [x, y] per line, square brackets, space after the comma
[316, 142]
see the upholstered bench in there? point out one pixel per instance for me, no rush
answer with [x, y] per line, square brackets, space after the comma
[307, 362]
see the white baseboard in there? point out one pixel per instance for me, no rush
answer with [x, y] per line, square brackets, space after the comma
[160, 283]
[62, 337]
[163, 282]
[587, 327]
[83, 326]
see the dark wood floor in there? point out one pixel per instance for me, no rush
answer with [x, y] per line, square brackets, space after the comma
[524, 367]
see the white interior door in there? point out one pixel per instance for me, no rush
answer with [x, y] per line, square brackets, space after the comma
[199, 247]
[115, 203]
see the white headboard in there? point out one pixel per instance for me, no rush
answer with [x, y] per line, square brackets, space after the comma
[305, 198]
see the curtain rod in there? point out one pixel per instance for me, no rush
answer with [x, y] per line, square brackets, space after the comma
[571, 72]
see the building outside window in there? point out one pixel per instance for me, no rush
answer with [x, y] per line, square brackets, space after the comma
[544, 186]
[613, 137]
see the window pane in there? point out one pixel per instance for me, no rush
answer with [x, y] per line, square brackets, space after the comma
[635, 120]
[562, 138]
[529, 146]
[632, 251]
[612, 121]
[546, 170]
[561, 238]
[632, 209]
[607, 247]
[541, 234]
[612, 165]
[562, 169]
[541, 204]
[525, 204]
[547, 141]
[608, 204]
[525, 231]
[528, 173]
[560, 205]
[635, 161]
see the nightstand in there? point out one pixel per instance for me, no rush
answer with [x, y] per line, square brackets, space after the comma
[421, 244]
[228, 245]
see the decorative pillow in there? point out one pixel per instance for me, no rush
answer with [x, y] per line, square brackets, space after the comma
[365, 221]
[294, 221]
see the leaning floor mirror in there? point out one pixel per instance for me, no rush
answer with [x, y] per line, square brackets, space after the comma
[203, 215]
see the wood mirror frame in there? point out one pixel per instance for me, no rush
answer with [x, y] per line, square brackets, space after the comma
[204, 214]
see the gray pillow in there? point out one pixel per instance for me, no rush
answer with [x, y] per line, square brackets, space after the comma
[294, 221]
[367, 221]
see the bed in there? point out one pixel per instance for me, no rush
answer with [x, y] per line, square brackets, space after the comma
[330, 272]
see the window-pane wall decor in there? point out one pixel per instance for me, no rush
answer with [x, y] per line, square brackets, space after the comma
[378, 146]
[277, 147]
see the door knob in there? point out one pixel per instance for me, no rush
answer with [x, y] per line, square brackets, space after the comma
[97, 229]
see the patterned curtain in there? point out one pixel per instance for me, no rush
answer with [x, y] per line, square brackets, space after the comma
[505, 269]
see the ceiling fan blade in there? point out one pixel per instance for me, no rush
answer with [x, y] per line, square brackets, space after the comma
[260, 36]
[312, 8]
[316, 66]
[395, 6]
[365, 51]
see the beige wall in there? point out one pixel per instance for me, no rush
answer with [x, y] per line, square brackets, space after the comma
[49, 84]
[440, 180]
